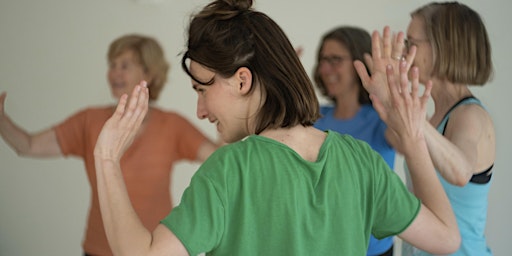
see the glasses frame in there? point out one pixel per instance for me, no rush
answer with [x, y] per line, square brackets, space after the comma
[333, 60]
[408, 42]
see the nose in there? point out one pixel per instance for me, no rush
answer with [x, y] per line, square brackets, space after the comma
[201, 109]
[324, 67]
[114, 72]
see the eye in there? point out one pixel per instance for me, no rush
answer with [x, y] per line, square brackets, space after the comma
[333, 60]
[199, 89]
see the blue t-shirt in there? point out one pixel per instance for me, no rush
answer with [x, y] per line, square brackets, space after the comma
[367, 126]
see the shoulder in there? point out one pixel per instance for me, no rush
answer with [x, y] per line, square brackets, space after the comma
[472, 115]
[92, 113]
[346, 141]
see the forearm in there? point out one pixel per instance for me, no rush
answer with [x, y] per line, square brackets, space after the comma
[42, 144]
[428, 188]
[16, 137]
[448, 159]
[125, 232]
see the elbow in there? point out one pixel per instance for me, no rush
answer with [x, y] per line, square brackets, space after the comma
[461, 180]
[453, 243]
[449, 245]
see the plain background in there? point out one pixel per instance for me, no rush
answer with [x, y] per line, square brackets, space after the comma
[53, 63]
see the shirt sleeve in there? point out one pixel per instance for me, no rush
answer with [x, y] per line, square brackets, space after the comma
[71, 134]
[199, 220]
[396, 206]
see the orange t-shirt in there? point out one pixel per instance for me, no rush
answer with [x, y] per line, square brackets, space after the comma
[146, 165]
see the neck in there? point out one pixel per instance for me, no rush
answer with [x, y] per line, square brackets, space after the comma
[447, 94]
[347, 105]
[305, 141]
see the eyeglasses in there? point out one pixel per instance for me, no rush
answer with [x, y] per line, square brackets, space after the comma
[408, 42]
[333, 60]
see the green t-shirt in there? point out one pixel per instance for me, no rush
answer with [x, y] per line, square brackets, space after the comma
[259, 197]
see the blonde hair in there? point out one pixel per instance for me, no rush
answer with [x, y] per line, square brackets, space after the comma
[149, 54]
[460, 45]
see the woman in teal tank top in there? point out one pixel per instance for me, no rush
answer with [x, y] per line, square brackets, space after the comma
[454, 52]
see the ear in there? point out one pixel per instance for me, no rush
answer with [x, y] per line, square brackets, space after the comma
[244, 79]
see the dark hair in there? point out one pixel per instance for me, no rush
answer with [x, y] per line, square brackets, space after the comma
[358, 42]
[226, 35]
[149, 54]
[460, 45]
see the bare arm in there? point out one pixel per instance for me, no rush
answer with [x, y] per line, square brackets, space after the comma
[435, 228]
[42, 144]
[125, 232]
[468, 146]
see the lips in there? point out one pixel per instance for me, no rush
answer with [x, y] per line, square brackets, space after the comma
[117, 85]
[330, 79]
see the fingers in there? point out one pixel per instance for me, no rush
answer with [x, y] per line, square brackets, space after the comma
[409, 57]
[398, 46]
[362, 72]
[121, 105]
[131, 111]
[404, 79]
[399, 89]
[387, 42]
[137, 106]
[376, 47]
[369, 61]
[414, 82]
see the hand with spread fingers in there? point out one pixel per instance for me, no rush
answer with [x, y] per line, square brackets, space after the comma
[386, 50]
[405, 114]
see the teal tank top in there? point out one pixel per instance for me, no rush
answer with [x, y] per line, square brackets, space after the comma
[469, 204]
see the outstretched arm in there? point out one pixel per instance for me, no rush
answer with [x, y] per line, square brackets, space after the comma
[42, 144]
[404, 111]
[125, 232]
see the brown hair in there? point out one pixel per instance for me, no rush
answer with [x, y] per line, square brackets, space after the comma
[460, 45]
[358, 42]
[149, 54]
[228, 34]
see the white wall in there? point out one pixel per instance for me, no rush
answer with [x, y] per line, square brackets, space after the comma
[53, 63]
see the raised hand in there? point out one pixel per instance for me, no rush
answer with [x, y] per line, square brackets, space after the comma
[386, 50]
[119, 131]
[406, 110]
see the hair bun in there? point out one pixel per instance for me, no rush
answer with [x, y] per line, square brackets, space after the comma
[226, 9]
[240, 5]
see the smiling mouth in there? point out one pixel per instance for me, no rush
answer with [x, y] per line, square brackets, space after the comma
[117, 85]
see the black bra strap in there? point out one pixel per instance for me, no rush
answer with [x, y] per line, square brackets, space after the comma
[483, 177]
[453, 107]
